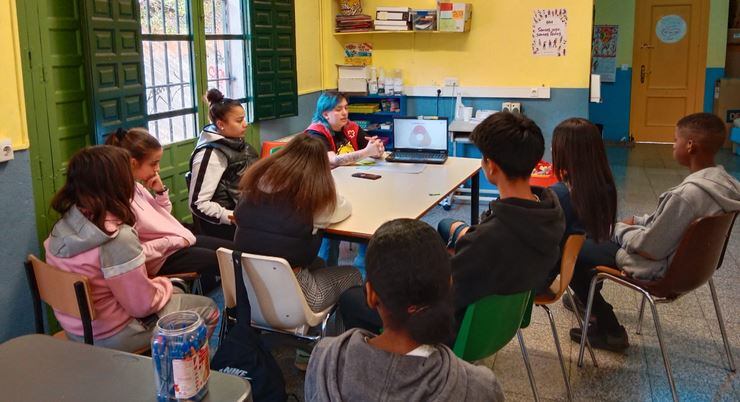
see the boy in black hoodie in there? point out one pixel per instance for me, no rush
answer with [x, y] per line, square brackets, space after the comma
[517, 242]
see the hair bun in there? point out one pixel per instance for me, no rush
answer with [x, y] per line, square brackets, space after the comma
[214, 96]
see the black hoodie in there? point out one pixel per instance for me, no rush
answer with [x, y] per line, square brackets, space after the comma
[512, 250]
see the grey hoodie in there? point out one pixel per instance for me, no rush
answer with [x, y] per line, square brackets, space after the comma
[707, 192]
[347, 368]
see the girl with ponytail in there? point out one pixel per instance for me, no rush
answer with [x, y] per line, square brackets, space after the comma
[409, 284]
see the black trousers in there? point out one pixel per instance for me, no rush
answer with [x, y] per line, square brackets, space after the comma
[200, 258]
[355, 312]
[225, 232]
[591, 255]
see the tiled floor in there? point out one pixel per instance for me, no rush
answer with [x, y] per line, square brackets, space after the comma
[689, 324]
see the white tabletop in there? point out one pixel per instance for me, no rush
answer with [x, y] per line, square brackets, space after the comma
[396, 195]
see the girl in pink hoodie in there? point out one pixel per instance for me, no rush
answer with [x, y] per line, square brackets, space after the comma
[169, 247]
[95, 237]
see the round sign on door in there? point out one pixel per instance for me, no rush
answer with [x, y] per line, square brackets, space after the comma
[670, 28]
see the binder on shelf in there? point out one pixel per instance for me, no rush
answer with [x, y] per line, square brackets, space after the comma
[391, 23]
[394, 9]
[391, 16]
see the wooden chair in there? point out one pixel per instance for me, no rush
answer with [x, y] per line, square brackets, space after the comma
[698, 256]
[65, 292]
[275, 297]
[556, 290]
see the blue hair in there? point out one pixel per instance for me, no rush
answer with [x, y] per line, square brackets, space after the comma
[327, 102]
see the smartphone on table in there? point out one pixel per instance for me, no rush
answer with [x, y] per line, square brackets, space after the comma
[368, 176]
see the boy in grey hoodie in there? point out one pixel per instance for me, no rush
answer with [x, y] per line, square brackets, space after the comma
[408, 283]
[643, 246]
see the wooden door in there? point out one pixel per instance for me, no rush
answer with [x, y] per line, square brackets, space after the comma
[669, 62]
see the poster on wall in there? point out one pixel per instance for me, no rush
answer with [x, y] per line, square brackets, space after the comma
[358, 54]
[549, 32]
[604, 52]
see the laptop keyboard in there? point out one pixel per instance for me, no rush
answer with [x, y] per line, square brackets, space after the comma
[417, 156]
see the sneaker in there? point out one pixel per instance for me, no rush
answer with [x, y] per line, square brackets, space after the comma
[301, 359]
[614, 342]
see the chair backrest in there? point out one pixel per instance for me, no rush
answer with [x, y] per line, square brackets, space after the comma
[66, 292]
[270, 147]
[489, 324]
[568, 259]
[275, 296]
[698, 255]
[57, 288]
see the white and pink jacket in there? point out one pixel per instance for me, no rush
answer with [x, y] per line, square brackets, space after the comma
[115, 266]
[160, 233]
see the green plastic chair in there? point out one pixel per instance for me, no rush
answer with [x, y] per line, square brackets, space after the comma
[491, 323]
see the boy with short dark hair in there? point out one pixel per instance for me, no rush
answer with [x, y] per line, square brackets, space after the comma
[643, 246]
[517, 242]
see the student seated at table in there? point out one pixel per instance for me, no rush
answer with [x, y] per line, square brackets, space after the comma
[346, 143]
[585, 187]
[287, 199]
[218, 161]
[408, 283]
[95, 237]
[169, 247]
[643, 246]
[516, 244]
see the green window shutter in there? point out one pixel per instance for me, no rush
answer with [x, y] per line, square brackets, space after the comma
[115, 65]
[274, 75]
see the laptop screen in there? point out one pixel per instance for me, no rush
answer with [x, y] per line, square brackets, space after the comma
[414, 133]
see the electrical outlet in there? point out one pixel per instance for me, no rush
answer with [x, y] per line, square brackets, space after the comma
[534, 92]
[6, 150]
[452, 82]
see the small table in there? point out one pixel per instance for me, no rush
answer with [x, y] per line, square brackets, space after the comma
[399, 195]
[42, 368]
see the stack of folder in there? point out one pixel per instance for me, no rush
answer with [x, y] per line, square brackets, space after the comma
[367, 108]
[392, 19]
[354, 23]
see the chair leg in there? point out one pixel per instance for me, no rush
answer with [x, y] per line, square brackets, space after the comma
[197, 287]
[663, 351]
[722, 330]
[525, 356]
[560, 352]
[580, 325]
[584, 328]
[639, 317]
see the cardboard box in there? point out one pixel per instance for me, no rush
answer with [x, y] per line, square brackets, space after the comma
[727, 101]
[454, 17]
[352, 79]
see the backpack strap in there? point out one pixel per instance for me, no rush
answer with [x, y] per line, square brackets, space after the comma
[243, 308]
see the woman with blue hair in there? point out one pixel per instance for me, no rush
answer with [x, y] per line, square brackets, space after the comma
[345, 141]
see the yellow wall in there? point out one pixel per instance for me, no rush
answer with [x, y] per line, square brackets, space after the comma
[496, 52]
[308, 45]
[717, 46]
[12, 101]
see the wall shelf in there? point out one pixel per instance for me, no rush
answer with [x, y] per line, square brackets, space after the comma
[394, 32]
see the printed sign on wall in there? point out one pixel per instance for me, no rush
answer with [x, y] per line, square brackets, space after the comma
[604, 52]
[549, 32]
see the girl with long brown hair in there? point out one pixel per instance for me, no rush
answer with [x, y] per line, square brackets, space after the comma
[169, 247]
[95, 237]
[286, 201]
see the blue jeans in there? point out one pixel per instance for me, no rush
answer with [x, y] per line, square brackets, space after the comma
[591, 255]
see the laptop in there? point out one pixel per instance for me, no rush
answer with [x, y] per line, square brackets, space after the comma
[419, 140]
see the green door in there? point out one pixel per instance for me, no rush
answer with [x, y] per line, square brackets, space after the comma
[274, 74]
[115, 65]
[58, 109]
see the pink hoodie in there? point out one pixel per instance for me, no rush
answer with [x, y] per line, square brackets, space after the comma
[160, 233]
[114, 264]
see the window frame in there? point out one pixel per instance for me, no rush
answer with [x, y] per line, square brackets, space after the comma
[197, 40]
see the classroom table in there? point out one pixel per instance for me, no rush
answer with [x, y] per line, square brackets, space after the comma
[43, 368]
[399, 195]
